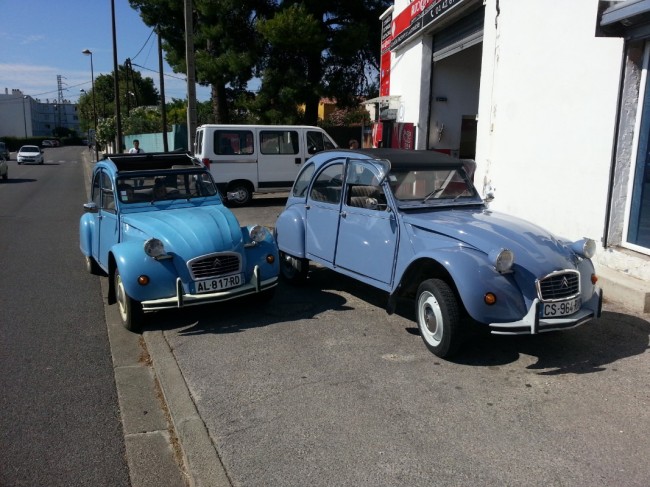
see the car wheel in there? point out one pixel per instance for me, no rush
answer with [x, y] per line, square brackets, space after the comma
[239, 194]
[92, 266]
[293, 269]
[438, 317]
[130, 310]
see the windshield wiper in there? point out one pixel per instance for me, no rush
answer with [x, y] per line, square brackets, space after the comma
[432, 193]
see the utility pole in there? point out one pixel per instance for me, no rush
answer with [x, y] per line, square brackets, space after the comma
[191, 78]
[116, 87]
[163, 109]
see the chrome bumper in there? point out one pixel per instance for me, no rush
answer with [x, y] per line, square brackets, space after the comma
[256, 285]
[531, 324]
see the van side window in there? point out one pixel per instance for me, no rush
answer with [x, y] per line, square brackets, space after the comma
[233, 142]
[317, 141]
[278, 142]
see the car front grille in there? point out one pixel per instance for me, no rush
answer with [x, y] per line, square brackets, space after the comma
[214, 265]
[559, 285]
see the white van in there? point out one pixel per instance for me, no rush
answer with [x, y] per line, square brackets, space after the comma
[245, 159]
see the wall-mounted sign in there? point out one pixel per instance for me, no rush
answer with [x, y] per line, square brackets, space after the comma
[417, 16]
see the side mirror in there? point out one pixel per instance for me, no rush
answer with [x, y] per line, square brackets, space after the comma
[489, 197]
[90, 207]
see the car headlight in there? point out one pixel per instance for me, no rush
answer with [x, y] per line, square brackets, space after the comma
[585, 247]
[258, 233]
[502, 259]
[154, 248]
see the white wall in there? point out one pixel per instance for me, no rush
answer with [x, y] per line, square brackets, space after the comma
[409, 79]
[547, 113]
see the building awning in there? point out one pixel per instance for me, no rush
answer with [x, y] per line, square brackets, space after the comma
[627, 12]
[380, 99]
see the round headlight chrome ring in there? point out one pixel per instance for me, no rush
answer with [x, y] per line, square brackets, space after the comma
[154, 248]
[258, 233]
[503, 260]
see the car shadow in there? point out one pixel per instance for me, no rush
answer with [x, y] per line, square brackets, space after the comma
[17, 180]
[262, 202]
[586, 349]
[290, 303]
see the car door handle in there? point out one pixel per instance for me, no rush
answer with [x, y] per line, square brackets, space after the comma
[344, 214]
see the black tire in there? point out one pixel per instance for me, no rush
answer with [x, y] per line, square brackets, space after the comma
[293, 269]
[130, 310]
[438, 316]
[93, 267]
[243, 196]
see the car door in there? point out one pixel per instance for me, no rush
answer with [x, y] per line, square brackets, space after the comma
[322, 213]
[279, 158]
[107, 222]
[368, 231]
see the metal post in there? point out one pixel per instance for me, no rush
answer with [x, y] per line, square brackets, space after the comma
[116, 85]
[92, 77]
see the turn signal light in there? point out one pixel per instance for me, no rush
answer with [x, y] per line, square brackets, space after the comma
[490, 299]
[270, 258]
[594, 278]
[143, 280]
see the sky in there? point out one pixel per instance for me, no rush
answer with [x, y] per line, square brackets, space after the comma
[41, 39]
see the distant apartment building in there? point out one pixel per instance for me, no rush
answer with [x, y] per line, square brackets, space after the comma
[24, 116]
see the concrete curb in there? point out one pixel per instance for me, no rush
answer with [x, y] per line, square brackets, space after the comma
[202, 461]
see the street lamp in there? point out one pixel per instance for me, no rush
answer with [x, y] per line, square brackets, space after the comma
[88, 52]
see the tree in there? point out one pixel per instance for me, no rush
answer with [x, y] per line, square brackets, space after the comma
[135, 89]
[301, 50]
[319, 49]
[225, 44]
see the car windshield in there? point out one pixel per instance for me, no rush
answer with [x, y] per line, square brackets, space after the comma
[165, 185]
[29, 148]
[431, 186]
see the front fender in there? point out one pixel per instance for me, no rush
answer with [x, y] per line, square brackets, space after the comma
[263, 254]
[132, 262]
[290, 231]
[86, 231]
[472, 276]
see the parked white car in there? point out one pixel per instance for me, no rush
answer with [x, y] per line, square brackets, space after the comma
[29, 154]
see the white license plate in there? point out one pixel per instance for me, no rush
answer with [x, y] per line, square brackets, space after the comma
[561, 308]
[219, 283]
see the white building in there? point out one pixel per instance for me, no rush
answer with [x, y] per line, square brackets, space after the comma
[548, 96]
[24, 116]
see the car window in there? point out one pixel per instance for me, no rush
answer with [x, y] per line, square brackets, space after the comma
[302, 181]
[317, 141]
[233, 142]
[96, 195]
[165, 186]
[328, 184]
[108, 196]
[430, 185]
[363, 189]
[278, 142]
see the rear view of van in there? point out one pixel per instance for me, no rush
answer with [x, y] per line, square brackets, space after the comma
[247, 159]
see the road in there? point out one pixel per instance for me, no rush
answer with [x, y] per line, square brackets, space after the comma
[60, 421]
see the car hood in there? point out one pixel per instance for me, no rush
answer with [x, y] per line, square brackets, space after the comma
[535, 249]
[187, 232]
